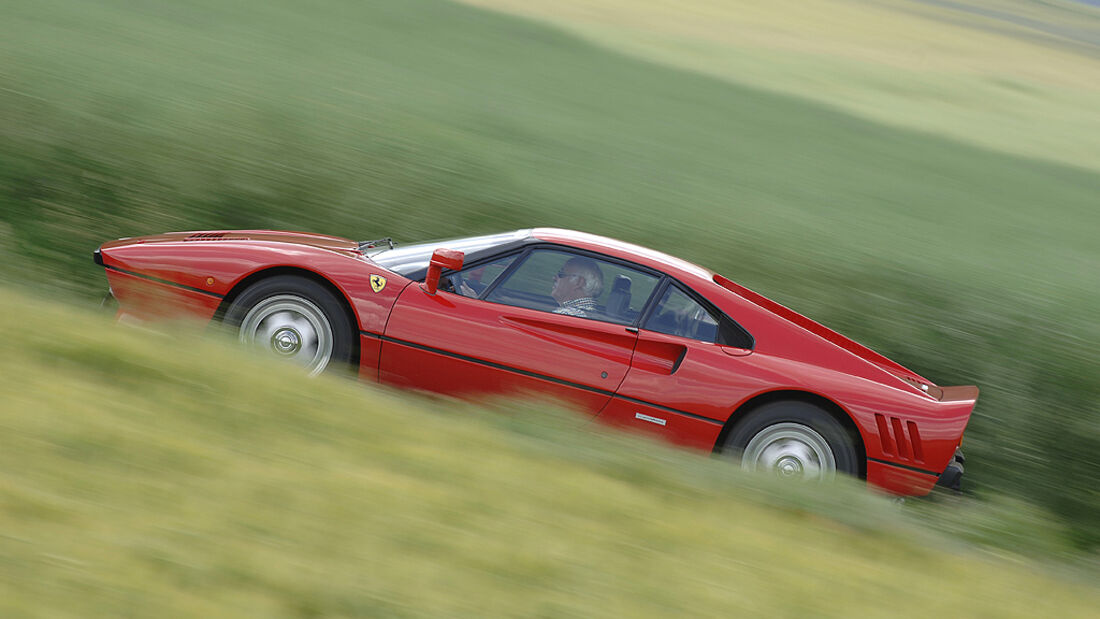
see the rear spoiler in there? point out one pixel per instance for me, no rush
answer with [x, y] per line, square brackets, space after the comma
[963, 393]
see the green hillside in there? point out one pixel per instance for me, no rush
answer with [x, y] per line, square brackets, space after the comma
[970, 260]
[1018, 76]
[145, 474]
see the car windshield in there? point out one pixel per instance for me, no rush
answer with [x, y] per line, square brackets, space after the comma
[408, 260]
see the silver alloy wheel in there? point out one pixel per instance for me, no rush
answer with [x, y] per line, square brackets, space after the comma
[290, 327]
[790, 451]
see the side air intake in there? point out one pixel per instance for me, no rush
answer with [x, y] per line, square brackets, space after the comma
[900, 438]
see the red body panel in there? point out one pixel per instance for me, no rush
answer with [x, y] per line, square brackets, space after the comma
[151, 300]
[432, 340]
[146, 272]
[658, 421]
[683, 390]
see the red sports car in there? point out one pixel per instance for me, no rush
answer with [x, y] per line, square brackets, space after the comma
[630, 335]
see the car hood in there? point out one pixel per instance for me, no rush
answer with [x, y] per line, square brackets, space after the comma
[321, 241]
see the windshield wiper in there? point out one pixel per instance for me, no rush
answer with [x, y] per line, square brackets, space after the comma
[365, 245]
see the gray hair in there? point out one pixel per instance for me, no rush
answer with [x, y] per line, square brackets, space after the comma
[589, 271]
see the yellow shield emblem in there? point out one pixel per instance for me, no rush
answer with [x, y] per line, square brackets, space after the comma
[377, 283]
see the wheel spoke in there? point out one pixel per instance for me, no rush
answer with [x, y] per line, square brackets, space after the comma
[264, 331]
[291, 327]
[306, 328]
[790, 450]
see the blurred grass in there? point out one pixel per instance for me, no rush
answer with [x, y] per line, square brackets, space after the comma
[172, 475]
[425, 119]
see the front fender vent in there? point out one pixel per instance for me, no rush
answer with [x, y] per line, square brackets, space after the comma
[900, 438]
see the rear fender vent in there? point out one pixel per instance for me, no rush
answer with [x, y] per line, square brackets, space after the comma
[900, 438]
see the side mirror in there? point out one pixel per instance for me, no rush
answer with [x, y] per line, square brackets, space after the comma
[441, 259]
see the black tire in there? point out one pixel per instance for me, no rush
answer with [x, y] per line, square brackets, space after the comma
[793, 439]
[297, 318]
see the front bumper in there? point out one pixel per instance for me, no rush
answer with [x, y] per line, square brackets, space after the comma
[951, 478]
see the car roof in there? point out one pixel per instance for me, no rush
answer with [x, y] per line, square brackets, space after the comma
[645, 256]
[676, 267]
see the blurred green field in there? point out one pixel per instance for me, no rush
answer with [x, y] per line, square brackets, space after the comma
[146, 474]
[1012, 75]
[422, 119]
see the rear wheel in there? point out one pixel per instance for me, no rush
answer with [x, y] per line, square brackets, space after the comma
[793, 440]
[294, 318]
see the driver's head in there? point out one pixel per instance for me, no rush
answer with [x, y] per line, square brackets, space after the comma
[578, 278]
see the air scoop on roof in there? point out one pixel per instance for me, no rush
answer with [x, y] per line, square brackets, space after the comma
[213, 236]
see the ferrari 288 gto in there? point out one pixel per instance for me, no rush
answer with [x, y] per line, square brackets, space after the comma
[631, 336]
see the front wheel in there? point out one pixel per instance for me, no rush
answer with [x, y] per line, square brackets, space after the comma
[793, 440]
[294, 318]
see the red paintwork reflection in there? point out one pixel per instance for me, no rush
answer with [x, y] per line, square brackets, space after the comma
[707, 382]
[515, 349]
[150, 300]
[655, 421]
[370, 353]
[898, 480]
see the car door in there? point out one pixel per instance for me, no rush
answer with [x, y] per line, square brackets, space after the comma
[495, 328]
[684, 371]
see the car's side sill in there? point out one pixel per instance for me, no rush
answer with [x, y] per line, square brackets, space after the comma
[904, 466]
[552, 379]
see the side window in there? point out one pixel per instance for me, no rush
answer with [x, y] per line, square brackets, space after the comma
[576, 285]
[679, 314]
[473, 281]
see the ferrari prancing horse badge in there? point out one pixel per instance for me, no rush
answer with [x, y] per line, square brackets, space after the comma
[377, 283]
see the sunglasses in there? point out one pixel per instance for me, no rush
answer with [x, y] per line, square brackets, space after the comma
[563, 275]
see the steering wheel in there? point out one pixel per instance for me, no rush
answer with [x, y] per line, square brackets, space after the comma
[458, 284]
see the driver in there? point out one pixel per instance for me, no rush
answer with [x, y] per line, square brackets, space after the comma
[576, 287]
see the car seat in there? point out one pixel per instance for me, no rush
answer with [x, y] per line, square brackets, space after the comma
[618, 300]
